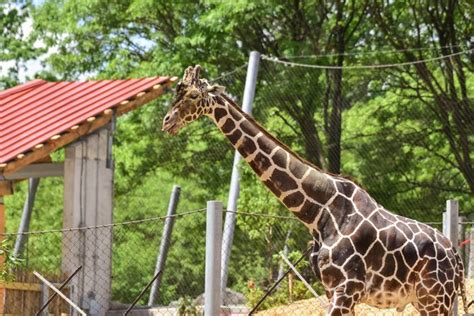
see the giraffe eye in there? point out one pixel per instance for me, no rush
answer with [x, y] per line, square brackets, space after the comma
[194, 95]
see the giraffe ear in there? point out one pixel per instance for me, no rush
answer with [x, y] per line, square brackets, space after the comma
[216, 89]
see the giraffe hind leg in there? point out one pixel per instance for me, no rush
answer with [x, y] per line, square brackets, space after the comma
[429, 303]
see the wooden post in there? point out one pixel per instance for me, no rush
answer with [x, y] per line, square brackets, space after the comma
[2, 259]
[44, 298]
[88, 191]
[290, 287]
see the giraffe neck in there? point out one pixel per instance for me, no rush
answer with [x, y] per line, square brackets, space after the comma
[302, 188]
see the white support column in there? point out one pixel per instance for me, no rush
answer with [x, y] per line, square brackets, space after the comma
[212, 292]
[452, 221]
[230, 218]
[451, 229]
[471, 254]
[88, 194]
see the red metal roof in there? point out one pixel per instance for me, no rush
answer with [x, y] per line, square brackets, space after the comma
[32, 113]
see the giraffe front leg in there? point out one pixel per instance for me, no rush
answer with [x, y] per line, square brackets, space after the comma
[341, 303]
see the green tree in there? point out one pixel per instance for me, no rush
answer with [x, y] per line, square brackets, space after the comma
[388, 128]
[15, 47]
[443, 87]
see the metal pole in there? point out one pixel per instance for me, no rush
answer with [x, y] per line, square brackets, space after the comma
[49, 300]
[309, 287]
[230, 217]
[64, 297]
[141, 293]
[452, 221]
[165, 243]
[452, 215]
[212, 293]
[285, 253]
[279, 280]
[445, 224]
[26, 217]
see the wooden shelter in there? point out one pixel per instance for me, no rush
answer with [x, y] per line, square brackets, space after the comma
[39, 117]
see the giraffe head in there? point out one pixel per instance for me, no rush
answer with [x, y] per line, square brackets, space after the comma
[194, 97]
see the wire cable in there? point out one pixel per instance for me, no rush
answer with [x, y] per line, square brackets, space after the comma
[361, 53]
[408, 63]
[138, 221]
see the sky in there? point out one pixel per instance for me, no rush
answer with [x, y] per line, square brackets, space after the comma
[31, 67]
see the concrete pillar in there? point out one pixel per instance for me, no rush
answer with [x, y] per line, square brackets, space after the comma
[2, 258]
[88, 193]
[470, 274]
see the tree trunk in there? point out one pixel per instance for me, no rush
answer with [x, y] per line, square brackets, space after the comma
[334, 137]
[312, 144]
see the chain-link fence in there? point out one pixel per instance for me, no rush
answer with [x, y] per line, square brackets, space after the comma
[269, 271]
[119, 261]
[378, 125]
[115, 277]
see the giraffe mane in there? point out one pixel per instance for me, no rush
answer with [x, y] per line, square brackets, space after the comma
[273, 138]
[286, 147]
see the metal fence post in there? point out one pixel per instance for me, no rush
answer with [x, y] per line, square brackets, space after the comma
[445, 224]
[212, 293]
[165, 243]
[450, 229]
[230, 218]
[452, 221]
[26, 216]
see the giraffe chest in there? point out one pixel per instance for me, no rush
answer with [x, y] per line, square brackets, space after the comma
[369, 264]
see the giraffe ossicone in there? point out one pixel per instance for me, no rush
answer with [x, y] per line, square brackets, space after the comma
[362, 253]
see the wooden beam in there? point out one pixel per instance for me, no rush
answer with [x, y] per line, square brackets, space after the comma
[83, 129]
[145, 98]
[2, 258]
[38, 170]
[6, 188]
[45, 159]
[21, 286]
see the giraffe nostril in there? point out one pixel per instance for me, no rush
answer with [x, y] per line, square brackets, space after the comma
[167, 118]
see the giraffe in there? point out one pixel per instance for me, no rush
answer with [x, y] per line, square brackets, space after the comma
[362, 253]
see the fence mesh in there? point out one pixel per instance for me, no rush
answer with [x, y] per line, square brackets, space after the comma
[131, 265]
[261, 241]
[387, 135]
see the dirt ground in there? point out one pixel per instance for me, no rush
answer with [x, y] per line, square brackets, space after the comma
[317, 307]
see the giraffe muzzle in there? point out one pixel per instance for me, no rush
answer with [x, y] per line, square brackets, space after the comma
[170, 123]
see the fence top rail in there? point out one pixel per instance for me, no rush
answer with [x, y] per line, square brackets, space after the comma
[182, 214]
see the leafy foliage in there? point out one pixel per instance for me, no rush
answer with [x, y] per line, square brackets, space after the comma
[10, 262]
[404, 133]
